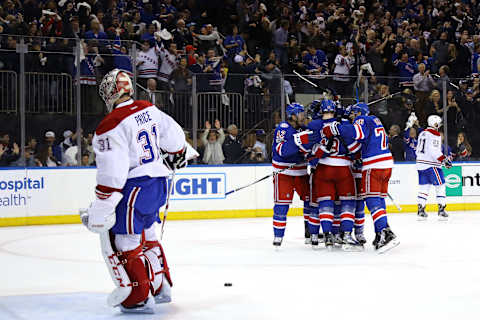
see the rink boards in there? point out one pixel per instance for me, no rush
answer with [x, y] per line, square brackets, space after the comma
[53, 196]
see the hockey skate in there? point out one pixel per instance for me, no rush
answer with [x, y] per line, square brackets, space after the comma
[277, 241]
[360, 238]
[385, 240]
[338, 242]
[307, 233]
[329, 241]
[350, 244]
[421, 214]
[442, 214]
[321, 237]
[144, 307]
[165, 294]
[314, 241]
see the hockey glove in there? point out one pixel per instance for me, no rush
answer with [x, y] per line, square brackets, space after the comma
[357, 164]
[330, 129]
[306, 137]
[175, 161]
[319, 150]
[446, 161]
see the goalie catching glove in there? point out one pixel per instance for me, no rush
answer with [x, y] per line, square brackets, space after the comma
[175, 161]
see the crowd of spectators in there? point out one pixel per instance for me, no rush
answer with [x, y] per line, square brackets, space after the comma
[352, 47]
[47, 152]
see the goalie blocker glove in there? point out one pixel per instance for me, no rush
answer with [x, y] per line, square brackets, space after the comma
[175, 161]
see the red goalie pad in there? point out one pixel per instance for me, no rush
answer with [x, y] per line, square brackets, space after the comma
[133, 262]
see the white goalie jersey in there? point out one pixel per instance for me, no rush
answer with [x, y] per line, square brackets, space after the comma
[429, 149]
[129, 140]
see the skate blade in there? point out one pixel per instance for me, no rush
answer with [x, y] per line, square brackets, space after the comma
[392, 244]
[329, 248]
[421, 218]
[442, 218]
[315, 247]
[353, 248]
[308, 241]
[145, 309]
[162, 299]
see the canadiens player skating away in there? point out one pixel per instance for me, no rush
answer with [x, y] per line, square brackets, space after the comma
[285, 154]
[376, 169]
[429, 165]
[136, 145]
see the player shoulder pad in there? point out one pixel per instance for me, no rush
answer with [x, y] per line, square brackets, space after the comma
[117, 115]
[432, 131]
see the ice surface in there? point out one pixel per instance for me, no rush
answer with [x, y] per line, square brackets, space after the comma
[56, 272]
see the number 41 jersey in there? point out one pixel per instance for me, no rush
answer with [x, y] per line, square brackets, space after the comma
[369, 131]
[429, 149]
[127, 143]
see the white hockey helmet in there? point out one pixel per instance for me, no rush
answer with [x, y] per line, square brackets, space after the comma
[114, 85]
[434, 121]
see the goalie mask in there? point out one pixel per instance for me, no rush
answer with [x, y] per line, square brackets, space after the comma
[114, 85]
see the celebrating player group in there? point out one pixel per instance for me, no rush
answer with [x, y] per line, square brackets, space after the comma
[350, 163]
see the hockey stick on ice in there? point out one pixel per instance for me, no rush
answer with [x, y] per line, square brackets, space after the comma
[167, 204]
[393, 201]
[264, 178]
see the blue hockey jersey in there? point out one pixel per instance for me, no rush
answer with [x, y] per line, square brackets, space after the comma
[215, 75]
[339, 156]
[318, 60]
[369, 131]
[285, 152]
[406, 70]
[410, 146]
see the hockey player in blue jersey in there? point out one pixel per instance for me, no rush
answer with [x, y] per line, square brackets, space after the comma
[286, 153]
[332, 180]
[376, 170]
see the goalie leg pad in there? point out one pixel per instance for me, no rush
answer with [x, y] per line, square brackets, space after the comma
[117, 271]
[135, 267]
[156, 258]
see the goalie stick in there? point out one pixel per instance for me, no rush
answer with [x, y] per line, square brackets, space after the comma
[167, 204]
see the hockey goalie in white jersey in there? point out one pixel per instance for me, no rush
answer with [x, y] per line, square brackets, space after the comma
[429, 165]
[136, 146]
